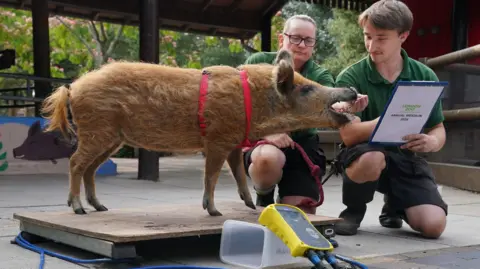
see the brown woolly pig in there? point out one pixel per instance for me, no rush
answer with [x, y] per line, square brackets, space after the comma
[155, 107]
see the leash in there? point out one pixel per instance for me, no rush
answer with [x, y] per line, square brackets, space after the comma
[315, 171]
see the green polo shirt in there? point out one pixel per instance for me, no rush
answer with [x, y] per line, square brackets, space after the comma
[365, 78]
[311, 70]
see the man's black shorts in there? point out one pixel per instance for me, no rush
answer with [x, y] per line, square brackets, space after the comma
[407, 178]
[297, 179]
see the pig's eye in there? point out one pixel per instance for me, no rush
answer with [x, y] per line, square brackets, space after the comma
[306, 89]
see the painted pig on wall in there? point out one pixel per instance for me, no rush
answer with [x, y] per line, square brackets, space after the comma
[40, 146]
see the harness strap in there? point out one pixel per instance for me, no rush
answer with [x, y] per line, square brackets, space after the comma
[247, 100]
[246, 143]
[201, 101]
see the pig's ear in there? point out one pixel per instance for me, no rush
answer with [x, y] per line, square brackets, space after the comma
[34, 128]
[283, 72]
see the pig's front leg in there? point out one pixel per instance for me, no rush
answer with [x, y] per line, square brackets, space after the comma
[214, 161]
[235, 161]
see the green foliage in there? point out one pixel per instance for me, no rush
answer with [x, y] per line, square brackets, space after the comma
[348, 38]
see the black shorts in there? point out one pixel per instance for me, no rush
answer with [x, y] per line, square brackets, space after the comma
[297, 179]
[407, 179]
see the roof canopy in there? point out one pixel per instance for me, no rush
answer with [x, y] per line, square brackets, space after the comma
[240, 19]
[231, 18]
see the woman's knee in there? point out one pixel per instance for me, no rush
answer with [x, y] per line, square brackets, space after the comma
[368, 167]
[267, 164]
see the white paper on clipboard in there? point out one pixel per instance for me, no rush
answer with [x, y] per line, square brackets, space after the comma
[408, 110]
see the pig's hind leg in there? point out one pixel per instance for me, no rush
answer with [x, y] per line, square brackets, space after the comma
[89, 176]
[235, 161]
[91, 145]
[214, 161]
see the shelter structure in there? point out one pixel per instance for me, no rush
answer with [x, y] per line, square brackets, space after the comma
[440, 27]
[241, 19]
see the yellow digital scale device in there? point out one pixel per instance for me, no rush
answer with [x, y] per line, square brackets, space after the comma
[292, 226]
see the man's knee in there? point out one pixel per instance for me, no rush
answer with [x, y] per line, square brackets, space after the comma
[429, 220]
[267, 164]
[368, 167]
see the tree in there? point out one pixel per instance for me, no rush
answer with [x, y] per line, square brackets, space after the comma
[348, 37]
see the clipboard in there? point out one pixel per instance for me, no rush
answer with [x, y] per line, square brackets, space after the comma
[398, 115]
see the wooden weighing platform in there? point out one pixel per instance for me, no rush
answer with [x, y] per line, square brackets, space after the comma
[114, 233]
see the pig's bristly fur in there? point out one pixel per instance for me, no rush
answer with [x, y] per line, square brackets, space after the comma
[155, 107]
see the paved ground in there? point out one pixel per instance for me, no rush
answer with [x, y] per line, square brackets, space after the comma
[376, 246]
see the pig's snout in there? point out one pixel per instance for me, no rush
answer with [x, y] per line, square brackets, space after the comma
[15, 153]
[349, 94]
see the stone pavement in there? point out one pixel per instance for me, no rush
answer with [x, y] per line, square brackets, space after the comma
[180, 177]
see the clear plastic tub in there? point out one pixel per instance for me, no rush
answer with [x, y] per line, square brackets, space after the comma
[253, 246]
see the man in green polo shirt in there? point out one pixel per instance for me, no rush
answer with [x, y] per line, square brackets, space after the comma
[405, 179]
[269, 165]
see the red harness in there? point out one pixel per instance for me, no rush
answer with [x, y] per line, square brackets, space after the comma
[246, 143]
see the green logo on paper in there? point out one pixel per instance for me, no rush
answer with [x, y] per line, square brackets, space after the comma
[410, 108]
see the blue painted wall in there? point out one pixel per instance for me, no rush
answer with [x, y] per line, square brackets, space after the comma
[109, 168]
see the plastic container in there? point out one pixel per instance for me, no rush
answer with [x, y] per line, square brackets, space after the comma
[254, 246]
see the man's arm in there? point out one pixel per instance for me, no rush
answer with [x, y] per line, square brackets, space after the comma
[434, 135]
[434, 126]
[438, 132]
[356, 131]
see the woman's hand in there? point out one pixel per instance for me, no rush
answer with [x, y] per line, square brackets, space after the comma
[280, 140]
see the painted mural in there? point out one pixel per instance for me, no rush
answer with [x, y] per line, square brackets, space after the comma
[3, 157]
[26, 149]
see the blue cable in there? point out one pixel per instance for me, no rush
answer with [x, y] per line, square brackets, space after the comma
[350, 261]
[25, 244]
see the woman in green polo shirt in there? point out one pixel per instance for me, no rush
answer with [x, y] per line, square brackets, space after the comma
[269, 165]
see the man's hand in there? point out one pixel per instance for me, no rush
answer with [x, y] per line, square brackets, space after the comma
[359, 105]
[420, 143]
[280, 140]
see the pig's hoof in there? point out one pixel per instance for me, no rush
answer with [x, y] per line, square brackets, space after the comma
[96, 204]
[250, 204]
[76, 204]
[80, 211]
[247, 199]
[214, 212]
[101, 208]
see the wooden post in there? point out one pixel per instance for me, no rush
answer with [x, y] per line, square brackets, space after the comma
[41, 50]
[266, 33]
[148, 166]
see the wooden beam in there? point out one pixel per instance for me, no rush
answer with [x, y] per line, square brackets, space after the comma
[234, 6]
[213, 17]
[235, 25]
[206, 4]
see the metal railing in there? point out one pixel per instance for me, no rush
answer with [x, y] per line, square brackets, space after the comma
[24, 96]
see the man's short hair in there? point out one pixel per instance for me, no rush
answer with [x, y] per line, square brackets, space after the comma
[302, 17]
[388, 15]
